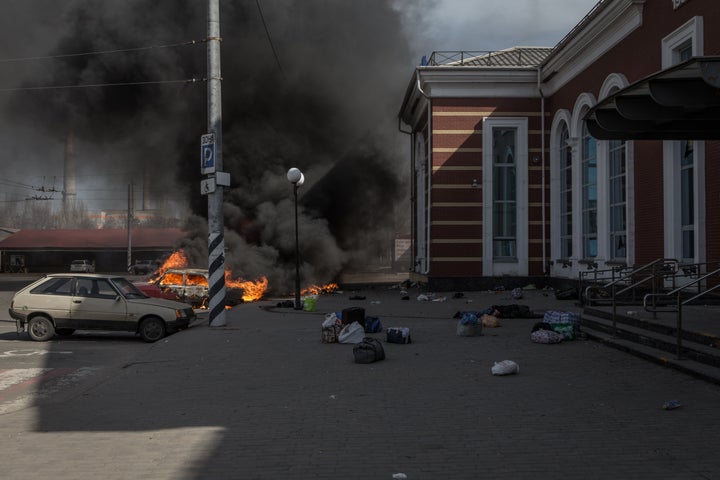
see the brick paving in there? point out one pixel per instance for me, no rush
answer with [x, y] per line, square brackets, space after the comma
[263, 398]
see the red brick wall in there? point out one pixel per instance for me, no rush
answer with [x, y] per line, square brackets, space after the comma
[457, 160]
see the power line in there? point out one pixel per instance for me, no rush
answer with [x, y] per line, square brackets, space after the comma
[102, 52]
[99, 85]
[267, 33]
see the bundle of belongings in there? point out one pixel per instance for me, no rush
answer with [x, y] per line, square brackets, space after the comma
[556, 327]
[490, 317]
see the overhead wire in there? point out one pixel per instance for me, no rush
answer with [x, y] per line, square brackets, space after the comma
[101, 52]
[269, 37]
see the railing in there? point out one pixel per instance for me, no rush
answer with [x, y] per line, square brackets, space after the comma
[482, 58]
[672, 301]
[631, 280]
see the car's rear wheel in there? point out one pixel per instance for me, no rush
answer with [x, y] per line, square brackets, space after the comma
[65, 331]
[40, 328]
[152, 329]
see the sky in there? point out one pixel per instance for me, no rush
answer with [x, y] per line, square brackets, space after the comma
[438, 25]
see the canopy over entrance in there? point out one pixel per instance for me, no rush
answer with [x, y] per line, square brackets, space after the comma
[679, 103]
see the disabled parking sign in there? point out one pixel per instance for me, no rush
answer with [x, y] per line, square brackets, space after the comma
[207, 153]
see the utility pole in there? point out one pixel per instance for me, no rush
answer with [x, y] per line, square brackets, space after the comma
[216, 227]
[130, 215]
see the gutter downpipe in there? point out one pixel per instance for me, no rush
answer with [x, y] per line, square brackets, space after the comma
[542, 173]
[426, 270]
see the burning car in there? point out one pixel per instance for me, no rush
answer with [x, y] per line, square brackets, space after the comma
[191, 286]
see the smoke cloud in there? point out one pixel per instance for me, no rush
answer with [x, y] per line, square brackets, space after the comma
[324, 100]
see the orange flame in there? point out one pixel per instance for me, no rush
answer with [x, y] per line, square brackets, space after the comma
[252, 291]
[318, 290]
[176, 260]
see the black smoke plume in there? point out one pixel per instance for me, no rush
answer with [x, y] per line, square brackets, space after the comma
[324, 100]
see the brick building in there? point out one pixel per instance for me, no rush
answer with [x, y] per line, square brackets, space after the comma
[515, 177]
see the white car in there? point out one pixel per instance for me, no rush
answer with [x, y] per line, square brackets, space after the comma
[62, 303]
[84, 266]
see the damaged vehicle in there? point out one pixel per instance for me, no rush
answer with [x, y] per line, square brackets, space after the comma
[191, 286]
[63, 303]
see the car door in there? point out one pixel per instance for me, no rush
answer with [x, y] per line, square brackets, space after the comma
[96, 305]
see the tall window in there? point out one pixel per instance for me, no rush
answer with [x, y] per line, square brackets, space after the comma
[504, 193]
[618, 182]
[687, 205]
[565, 194]
[589, 194]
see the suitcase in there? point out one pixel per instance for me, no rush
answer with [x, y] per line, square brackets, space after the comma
[353, 314]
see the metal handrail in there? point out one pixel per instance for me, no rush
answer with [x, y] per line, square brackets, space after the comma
[669, 266]
[679, 303]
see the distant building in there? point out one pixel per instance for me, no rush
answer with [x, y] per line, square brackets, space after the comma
[44, 251]
[517, 175]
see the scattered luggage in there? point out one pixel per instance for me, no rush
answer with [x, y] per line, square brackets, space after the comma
[546, 336]
[490, 321]
[331, 327]
[369, 350]
[373, 325]
[351, 333]
[353, 314]
[469, 325]
[398, 335]
[566, 323]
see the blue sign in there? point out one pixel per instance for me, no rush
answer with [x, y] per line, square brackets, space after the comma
[207, 153]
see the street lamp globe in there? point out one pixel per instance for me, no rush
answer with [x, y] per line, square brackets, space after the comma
[295, 176]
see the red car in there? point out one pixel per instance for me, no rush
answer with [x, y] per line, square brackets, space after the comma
[152, 290]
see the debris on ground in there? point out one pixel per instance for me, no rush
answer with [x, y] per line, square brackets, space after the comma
[505, 367]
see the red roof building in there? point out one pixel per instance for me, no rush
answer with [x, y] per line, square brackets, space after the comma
[53, 250]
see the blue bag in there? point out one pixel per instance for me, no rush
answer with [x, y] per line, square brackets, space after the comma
[373, 325]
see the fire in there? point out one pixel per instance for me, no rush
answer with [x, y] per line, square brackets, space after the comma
[252, 291]
[317, 290]
[176, 260]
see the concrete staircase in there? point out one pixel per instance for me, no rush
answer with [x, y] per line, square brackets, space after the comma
[654, 336]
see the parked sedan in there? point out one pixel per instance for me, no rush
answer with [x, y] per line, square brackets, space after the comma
[85, 266]
[63, 303]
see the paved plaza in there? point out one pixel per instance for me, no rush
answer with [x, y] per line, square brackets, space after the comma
[263, 398]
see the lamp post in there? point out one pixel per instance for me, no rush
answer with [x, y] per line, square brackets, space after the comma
[296, 177]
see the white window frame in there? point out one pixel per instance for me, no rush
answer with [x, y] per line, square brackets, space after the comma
[520, 267]
[690, 33]
[561, 117]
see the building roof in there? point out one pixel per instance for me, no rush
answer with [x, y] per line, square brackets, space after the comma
[92, 239]
[510, 57]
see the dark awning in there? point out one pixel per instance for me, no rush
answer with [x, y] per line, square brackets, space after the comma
[679, 103]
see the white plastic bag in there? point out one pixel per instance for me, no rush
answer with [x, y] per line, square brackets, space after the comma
[330, 319]
[505, 367]
[351, 333]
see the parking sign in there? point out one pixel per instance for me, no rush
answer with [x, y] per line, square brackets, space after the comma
[207, 153]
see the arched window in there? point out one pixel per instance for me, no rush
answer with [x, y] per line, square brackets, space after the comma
[588, 165]
[617, 199]
[566, 231]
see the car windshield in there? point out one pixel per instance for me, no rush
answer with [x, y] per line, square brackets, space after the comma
[127, 289]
